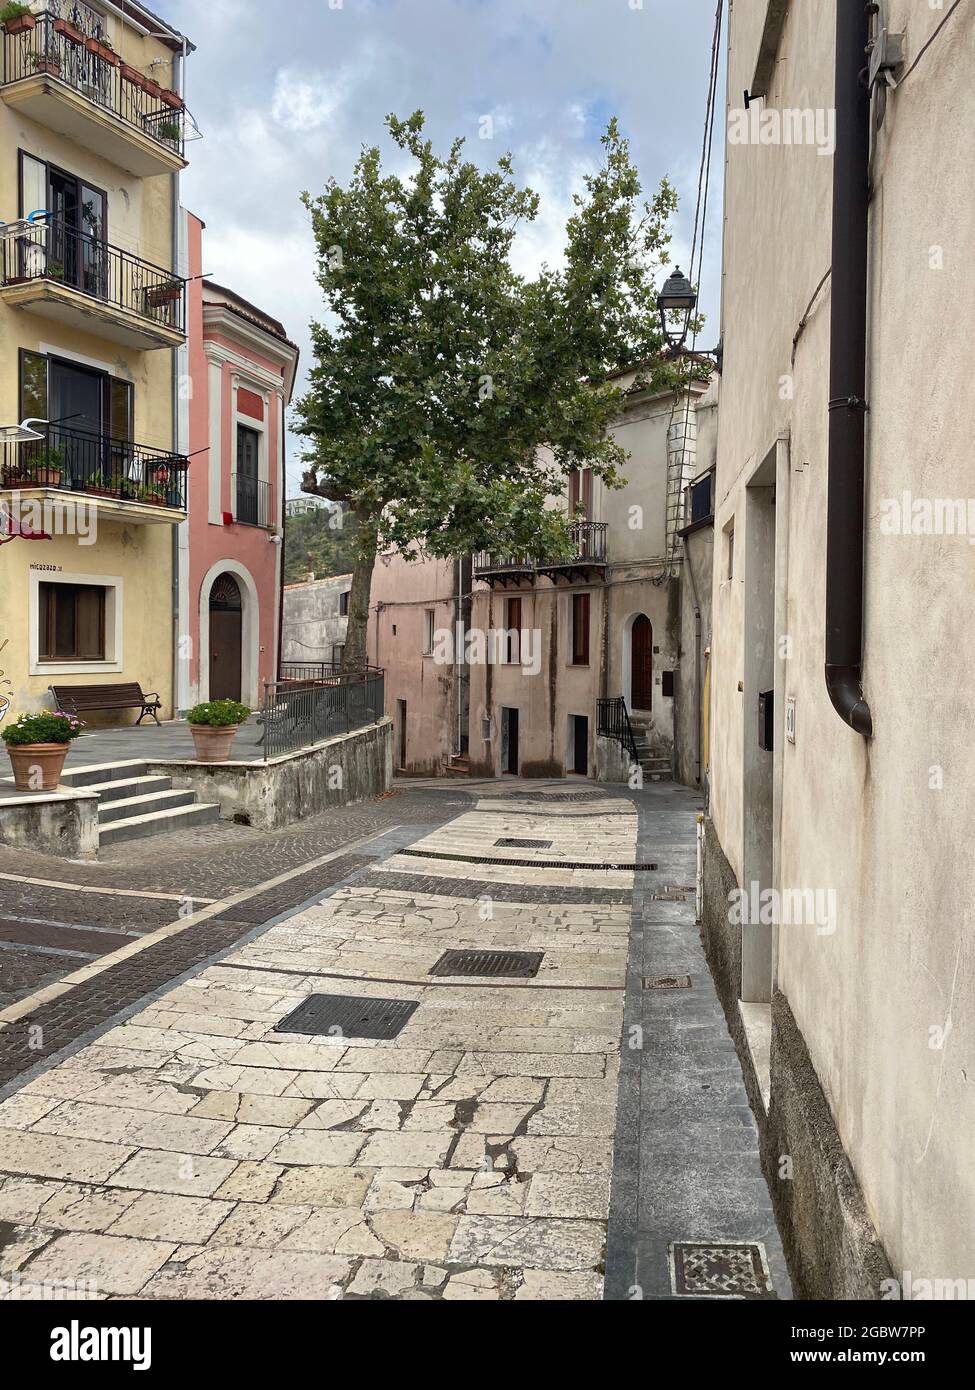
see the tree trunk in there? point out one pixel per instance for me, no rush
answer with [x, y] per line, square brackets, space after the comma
[355, 657]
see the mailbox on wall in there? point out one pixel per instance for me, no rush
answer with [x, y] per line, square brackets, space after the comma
[765, 716]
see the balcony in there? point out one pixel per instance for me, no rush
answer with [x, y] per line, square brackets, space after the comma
[252, 501]
[587, 562]
[63, 274]
[122, 480]
[60, 72]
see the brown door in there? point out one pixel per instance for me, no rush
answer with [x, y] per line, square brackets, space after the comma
[642, 639]
[225, 638]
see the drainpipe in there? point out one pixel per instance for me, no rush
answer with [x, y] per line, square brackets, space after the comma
[848, 372]
[698, 695]
[178, 78]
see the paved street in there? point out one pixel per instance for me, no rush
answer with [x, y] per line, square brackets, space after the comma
[168, 1131]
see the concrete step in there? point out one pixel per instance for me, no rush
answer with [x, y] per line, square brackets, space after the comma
[128, 787]
[159, 823]
[128, 808]
[102, 772]
[459, 766]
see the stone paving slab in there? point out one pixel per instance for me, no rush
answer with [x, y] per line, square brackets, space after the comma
[194, 1151]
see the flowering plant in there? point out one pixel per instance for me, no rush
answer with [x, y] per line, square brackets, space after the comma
[50, 726]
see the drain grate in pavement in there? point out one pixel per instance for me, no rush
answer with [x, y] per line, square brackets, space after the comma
[729, 1269]
[517, 964]
[514, 843]
[667, 982]
[345, 1016]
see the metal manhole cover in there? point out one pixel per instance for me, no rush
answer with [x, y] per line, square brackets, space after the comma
[346, 1016]
[729, 1269]
[667, 982]
[522, 965]
[514, 843]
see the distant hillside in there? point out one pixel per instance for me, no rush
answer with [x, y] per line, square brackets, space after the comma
[318, 542]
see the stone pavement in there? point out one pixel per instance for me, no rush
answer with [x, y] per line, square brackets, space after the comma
[186, 1146]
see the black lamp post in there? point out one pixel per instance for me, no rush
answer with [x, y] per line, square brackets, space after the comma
[678, 300]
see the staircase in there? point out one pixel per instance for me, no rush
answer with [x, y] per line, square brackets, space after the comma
[656, 766]
[132, 804]
[459, 765]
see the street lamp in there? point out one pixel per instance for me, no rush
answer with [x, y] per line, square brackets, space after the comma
[678, 297]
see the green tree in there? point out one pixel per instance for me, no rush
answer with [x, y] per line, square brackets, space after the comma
[442, 373]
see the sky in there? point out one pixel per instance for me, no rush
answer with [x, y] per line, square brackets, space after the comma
[286, 95]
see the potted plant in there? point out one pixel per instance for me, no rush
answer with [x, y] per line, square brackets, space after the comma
[153, 494]
[152, 87]
[47, 62]
[213, 725]
[171, 99]
[167, 292]
[38, 745]
[47, 473]
[133, 75]
[69, 30]
[54, 270]
[169, 130]
[101, 48]
[16, 18]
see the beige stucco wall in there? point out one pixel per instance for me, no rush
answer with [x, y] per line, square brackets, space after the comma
[140, 220]
[402, 590]
[875, 821]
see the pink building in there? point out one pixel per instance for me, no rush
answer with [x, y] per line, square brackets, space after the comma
[240, 366]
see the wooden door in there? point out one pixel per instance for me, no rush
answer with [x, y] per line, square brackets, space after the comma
[642, 663]
[226, 627]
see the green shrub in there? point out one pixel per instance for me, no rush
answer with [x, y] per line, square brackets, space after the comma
[50, 726]
[218, 713]
[13, 11]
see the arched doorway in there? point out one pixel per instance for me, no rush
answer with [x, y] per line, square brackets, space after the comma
[226, 626]
[641, 663]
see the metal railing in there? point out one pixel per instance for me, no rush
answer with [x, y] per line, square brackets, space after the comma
[60, 253]
[97, 465]
[613, 721]
[589, 541]
[317, 670]
[296, 715]
[68, 42]
[252, 500]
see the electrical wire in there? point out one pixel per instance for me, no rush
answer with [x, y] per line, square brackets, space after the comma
[924, 48]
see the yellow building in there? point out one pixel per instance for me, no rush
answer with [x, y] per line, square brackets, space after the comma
[92, 313]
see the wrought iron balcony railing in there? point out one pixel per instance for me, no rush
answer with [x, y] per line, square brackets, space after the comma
[253, 502]
[96, 465]
[68, 42]
[53, 250]
[589, 548]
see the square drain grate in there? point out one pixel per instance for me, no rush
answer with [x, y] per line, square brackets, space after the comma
[346, 1016]
[667, 982]
[730, 1269]
[523, 844]
[521, 965]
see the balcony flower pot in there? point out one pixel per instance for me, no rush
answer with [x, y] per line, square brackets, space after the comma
[47, 475]
[47, 65]
[101, 50]
[133, 76]
[20, 24]
[213, 726]
[65, 27]
[153, 89]
[171, 99]
[158, 295]
[38, 745]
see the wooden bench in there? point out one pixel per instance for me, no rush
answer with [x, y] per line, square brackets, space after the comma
[79, 699]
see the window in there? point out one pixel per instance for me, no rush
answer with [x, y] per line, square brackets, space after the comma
[248, 483]
[344, 604]
[429, 626]
[729, 550]
[580, 629]
[71, 622]
[512, 638]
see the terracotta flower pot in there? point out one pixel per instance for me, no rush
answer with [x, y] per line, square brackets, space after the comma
[101, 50]
[171, 99]
[47, 477]
[47, 65]
[133, 75]
[213, 743]
[21, 25]
[65, 27]
[37, 766]
[153, 89]
[159, 295]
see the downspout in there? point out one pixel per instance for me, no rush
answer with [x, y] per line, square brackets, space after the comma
[848, 372]
[178, 83]
[698, 696]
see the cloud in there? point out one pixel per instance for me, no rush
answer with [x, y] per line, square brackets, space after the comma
[286, 98]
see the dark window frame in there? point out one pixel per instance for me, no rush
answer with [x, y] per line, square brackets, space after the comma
[50, 596]
[581, 625]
